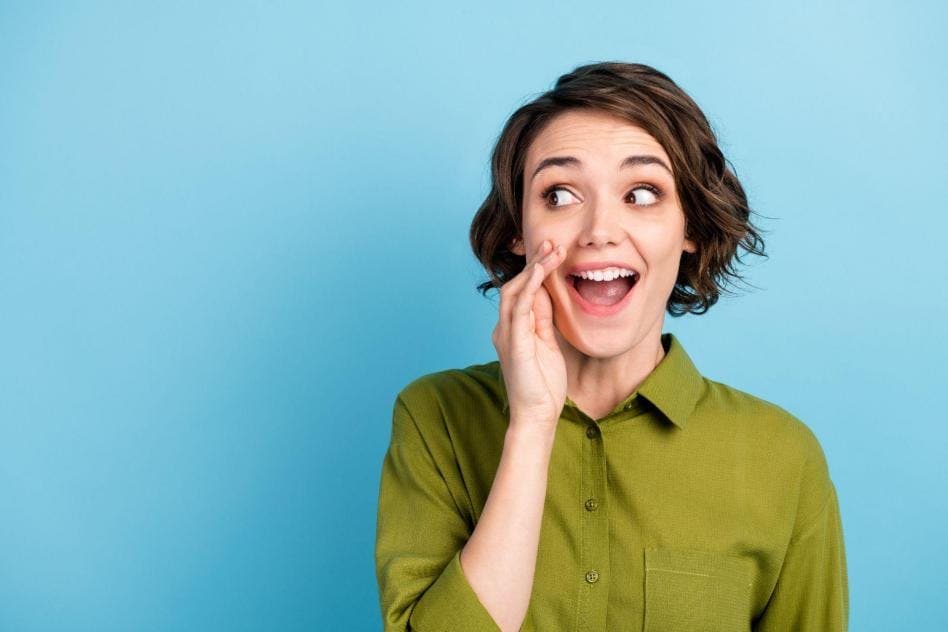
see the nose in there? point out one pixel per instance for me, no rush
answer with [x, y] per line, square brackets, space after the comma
[601, 225]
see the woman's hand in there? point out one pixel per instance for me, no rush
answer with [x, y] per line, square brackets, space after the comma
[533, 366]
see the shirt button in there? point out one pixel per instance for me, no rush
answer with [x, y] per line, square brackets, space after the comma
[592, 432]
[592, 504]
[592, 577]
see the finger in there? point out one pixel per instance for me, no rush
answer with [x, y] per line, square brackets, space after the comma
[543, 250]
[543, 317]
[549, 262]
[510, 290]
[543, 304]
[521, 320]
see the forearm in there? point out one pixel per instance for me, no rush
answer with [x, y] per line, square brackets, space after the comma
[499, 559]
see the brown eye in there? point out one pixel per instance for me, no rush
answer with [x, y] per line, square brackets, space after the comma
[554, 195]
[649, 195]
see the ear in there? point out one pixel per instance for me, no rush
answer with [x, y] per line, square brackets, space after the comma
[690, 246]
[516, 247]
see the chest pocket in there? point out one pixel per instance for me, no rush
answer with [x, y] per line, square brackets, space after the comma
[696, 591]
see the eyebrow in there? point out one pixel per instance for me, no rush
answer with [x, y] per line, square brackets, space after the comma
[571, 161]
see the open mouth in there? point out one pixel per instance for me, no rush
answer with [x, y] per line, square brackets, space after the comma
[602, 297]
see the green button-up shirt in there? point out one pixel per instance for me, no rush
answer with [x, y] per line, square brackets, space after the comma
[692, 506]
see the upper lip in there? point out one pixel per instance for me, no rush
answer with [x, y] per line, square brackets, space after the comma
[599, 265]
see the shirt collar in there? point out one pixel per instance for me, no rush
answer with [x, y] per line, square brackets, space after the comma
[674, 385]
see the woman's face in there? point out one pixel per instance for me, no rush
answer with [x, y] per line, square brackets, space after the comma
[602, 188]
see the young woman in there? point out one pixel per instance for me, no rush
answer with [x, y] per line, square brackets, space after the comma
[593, 478]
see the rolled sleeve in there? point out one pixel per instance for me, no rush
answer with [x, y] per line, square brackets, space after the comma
[812, 592]
[451, 604]
[419, 536]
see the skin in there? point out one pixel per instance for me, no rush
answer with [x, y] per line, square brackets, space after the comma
[600, 214]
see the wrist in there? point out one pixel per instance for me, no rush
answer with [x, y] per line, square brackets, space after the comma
[531, 431]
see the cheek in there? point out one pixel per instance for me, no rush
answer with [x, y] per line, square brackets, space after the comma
[664, 251]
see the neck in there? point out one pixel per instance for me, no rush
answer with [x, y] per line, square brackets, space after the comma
[598, 384]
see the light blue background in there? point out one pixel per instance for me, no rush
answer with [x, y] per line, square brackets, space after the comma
[230, 234]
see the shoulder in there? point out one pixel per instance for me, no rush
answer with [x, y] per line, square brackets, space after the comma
[457, 415]
[446, 389]
[760, 419]
[458, 410]
[780, 441]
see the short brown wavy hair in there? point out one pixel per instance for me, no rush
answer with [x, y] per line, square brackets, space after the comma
[717, 216]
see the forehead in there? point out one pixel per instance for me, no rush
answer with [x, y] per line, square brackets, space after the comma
[593, 134]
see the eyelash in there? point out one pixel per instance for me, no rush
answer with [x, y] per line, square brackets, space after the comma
[654, 190]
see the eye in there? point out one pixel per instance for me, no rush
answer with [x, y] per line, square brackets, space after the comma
[642, 195]
[649, 195]
[553, 192]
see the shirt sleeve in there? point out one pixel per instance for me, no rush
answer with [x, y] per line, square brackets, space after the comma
[419, 536]
[812, 593]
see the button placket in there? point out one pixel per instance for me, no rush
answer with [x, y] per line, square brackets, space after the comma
[594, 558]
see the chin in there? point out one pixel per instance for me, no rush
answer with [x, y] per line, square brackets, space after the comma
[605, 347]
[602, 343]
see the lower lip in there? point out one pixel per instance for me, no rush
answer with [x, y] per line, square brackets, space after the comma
[600, 310]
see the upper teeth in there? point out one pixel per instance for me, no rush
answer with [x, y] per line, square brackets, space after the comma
[606, 274]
